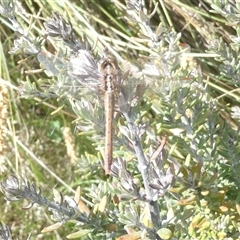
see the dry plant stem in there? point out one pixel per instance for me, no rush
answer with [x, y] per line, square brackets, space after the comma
[159, 149]
[144, 168]
[3, 119]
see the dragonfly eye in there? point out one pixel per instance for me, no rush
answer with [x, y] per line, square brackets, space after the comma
[104, 64]
[108, 61]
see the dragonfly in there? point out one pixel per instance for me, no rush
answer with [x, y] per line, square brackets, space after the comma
[110, 79]
[105, 78]
[102, 77]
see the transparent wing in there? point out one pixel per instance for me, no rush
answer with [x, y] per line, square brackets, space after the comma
[75, 75]
[84, 68]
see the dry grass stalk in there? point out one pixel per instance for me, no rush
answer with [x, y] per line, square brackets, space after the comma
[3, 119]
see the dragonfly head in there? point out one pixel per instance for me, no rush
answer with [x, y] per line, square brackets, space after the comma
[107, 61]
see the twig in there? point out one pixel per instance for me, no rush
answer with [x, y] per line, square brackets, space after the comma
[159, 149]
[144, 168]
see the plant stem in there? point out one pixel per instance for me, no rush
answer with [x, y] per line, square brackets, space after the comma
[144, 168]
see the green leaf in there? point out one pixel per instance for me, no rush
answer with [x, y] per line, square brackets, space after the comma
[164, 233]
[78, 234]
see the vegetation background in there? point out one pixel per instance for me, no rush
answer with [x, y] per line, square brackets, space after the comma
[201, 122]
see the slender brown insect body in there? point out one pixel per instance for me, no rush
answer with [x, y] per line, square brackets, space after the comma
[102, 79]
[109, 78]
